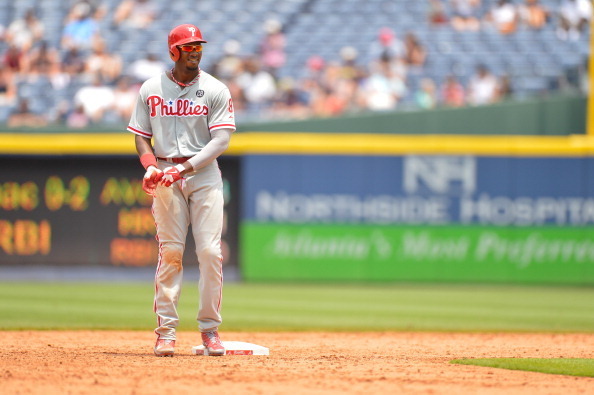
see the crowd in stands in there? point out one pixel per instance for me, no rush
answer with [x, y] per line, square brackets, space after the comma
[106, 86]
[571, 16]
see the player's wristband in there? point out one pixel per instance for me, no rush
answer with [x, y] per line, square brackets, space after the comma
[148, 160]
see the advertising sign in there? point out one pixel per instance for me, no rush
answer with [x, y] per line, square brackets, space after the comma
[419, 218]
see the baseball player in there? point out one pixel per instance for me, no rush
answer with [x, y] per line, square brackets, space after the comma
[182, 122]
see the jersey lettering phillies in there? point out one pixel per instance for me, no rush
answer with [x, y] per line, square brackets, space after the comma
[179, 119]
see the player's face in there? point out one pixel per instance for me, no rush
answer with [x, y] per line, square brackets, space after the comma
[190, 55]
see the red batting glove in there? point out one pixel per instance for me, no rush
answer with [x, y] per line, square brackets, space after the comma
[170, 175]
[151, 180]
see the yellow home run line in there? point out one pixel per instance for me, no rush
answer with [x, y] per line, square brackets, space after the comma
[246, 143]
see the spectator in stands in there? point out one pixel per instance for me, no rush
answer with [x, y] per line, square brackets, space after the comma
[437, 13]
[229, 64]
[257, 84]
[135, 14]
[59, 78]
[483, 87]
[99, 9]
[503, 16]
[95, 99]
[77, 119]
[415, 54]
[391, 49]
[24, 117]
[315, 67]
[326, 102]
[452, 92]
[124, 98]
[349, 67]
[272, 48]
[8, 89]
[103, 63]
[466, 14]
[387, 44]
[533, 14]
[81, 30]
[43, 60]
[332, 75]
[347, 78]
[383, 89]
[426, 95]
[25, 31]
[292, 101]
[574, 17]
[147, 67]
[73, 62]
[14, 58]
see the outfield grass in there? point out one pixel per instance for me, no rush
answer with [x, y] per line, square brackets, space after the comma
[567, 366]
[294, 307]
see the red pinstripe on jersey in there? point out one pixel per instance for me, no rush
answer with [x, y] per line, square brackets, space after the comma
[221, 126]
[139, 132]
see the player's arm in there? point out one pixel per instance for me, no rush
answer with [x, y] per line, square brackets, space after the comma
[147, 158]
[215, 147]
[212, 150]
[140, 125]
[221, 125]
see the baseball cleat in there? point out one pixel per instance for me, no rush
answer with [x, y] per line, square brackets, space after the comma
[164, 348]
[212, 342]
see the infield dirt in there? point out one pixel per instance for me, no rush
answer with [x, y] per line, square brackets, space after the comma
[108, 362]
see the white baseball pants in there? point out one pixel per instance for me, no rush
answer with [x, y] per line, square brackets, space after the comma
[196, 201]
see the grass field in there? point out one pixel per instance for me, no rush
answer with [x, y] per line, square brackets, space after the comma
[303, 307]
[580, 367]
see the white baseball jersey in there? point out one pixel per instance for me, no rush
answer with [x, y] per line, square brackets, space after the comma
[179, 120]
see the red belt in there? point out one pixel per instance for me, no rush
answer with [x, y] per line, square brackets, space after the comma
[174, 160]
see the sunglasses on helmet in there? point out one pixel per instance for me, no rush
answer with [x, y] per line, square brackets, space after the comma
[190, 48]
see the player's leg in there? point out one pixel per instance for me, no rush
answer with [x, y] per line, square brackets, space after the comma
[172, 219]
[206, 210]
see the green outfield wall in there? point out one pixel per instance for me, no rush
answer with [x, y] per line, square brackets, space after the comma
[558, 115]
[550, 115]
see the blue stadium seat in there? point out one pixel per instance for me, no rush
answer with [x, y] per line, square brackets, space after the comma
[323, 27]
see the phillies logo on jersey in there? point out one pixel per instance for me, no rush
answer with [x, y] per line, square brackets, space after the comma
[174, 108]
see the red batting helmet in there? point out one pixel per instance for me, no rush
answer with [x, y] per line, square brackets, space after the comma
[180, 35]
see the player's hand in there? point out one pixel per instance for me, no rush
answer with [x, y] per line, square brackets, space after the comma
[151, 180]
[170, 175]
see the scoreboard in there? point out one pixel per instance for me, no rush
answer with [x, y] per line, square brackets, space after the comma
[77, 210]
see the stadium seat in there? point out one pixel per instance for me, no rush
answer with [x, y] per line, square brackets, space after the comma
[323, 28]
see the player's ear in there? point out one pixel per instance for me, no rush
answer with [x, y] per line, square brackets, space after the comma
[174, 54]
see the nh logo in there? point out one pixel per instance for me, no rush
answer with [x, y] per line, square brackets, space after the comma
[440, 174]
[192, 30]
